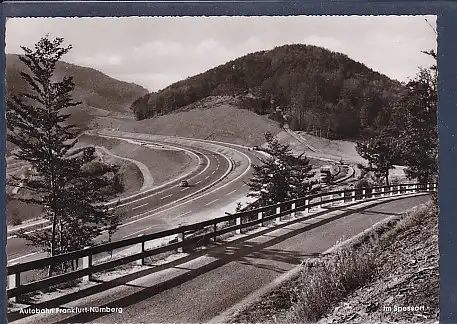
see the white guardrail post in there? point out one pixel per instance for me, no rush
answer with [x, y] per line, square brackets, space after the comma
[363, 194]
[14, 281]
[87, 263]
[140, 249]
[278, 210]
[260, 216]
[307, 205]
[292, 214]
[180, 239]
[382, 191]
[238, 222]
[353, 196]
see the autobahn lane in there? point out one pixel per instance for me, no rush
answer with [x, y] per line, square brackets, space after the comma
[241, 270]
[201, 207]
[214, 167]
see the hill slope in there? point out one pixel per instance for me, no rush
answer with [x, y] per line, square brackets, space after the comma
[100, 94]
[213, 118]
[317, 88]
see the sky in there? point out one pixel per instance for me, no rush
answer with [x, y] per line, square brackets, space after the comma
[157, 51]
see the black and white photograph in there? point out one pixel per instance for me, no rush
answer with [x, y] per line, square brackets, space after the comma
[222, 169]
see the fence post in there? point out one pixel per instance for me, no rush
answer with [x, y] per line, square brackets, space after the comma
[307, 206]
[215, 232]
[238, 222]
[353, 196]
[292, 214]
[363, 194]
[180, 239]
[14, 281]
[278, 210]
[140, 249]
[87, 263]
[260, 216]
[382, 191]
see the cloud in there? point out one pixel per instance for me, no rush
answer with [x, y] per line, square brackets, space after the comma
[99, 60]
[158, 48]
[210, 49]
[156, 51]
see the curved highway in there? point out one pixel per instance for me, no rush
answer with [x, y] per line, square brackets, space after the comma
[171, 205]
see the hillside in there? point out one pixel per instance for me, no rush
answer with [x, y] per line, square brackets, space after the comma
[314, 87]
[100, 94]
[401, 258]
[213, 118]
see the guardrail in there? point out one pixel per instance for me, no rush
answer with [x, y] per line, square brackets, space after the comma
[190, 236]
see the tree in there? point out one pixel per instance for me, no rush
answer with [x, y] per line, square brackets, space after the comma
[381, 152]
[281, 176]
[416, 118]
[72, 196]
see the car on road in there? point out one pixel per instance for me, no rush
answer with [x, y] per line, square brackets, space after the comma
[184, 183]
[256, 148]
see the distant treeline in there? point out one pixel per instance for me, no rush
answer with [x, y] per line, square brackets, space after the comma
[315, 89]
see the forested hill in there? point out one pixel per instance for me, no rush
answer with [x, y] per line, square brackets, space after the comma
[316, 88]
[92, 87]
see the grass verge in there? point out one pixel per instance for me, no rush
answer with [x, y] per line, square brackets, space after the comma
[357, 274]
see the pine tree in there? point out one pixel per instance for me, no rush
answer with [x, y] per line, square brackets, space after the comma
[281, 176]
[72, 195]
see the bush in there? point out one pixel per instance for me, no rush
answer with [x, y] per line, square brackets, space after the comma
[118, 183]
[324, 283]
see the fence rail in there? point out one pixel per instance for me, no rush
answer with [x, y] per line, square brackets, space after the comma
[190, 236]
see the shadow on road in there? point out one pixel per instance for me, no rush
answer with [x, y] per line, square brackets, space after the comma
[238, 250]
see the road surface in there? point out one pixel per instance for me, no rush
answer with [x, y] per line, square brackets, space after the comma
[231, 271]
[168, 207]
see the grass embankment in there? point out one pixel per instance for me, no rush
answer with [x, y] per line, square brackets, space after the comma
[394, 266]
[164, 165]
[213, 118]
